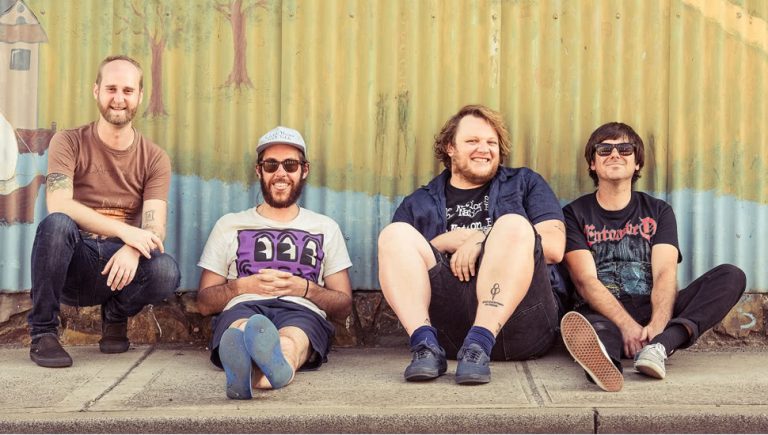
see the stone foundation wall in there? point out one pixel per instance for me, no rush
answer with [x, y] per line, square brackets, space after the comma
[372, 323]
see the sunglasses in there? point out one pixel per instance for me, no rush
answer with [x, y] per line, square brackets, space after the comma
[271, 165]
[605, 149]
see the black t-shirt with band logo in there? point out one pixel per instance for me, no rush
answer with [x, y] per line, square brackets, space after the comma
[467, 208]
[621, 241]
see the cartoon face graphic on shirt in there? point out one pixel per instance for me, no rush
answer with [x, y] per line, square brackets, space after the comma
[294, 251]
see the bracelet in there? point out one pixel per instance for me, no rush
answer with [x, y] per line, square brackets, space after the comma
[485, 236]
[306, 290]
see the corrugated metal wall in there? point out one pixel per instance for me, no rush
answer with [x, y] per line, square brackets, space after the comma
[370, 82]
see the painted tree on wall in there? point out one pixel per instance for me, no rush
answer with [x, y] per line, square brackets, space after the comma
[233, 11]
[160, 23]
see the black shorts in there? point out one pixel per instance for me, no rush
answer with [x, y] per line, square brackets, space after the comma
[281, 313]
[529, 333]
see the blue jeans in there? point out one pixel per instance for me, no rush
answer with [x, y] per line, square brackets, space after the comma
[67, 268]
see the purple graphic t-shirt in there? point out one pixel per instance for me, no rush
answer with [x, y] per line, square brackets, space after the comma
[290, 250]
[241, 244]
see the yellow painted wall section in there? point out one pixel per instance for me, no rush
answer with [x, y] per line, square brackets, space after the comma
[370, 82]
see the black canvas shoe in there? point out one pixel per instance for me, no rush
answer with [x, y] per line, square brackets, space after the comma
[114, 335]
[47, 352]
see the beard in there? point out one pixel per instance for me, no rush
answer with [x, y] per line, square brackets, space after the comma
[116, 119]
[472, 175]
[293, 194]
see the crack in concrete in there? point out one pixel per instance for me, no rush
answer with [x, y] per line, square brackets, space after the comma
[534, 389]
[138, 362]
[596, 420]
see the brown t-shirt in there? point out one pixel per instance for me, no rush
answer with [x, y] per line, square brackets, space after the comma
[114, 183]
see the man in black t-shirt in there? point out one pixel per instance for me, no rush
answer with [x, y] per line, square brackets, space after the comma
[622, 254]
[464, 263]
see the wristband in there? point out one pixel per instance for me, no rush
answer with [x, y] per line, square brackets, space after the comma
[306, 290]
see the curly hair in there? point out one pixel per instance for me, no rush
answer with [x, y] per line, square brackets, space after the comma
[447, 135]
[609, 131]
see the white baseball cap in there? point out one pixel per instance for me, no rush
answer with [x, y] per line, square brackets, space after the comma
[282, 135]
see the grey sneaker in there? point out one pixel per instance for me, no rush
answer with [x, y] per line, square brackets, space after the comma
[428, 363]
[473, 366]
[585, 347]
[650, 361]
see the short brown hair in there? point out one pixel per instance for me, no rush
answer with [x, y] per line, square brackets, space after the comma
[447, 135]
[115, 57]
[609, 131]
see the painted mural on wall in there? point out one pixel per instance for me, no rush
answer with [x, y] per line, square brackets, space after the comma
[20, 37]
[370, 82]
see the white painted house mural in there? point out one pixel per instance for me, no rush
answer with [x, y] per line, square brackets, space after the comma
[20, 37]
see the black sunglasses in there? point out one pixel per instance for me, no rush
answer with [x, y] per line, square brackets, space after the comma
[271, 165]
[605, 149]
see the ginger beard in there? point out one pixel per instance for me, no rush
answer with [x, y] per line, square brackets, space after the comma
[117, 117]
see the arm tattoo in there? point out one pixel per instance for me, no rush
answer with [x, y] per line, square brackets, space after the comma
[495, 290]
[58, 181]
[560, 227]
[149, 216]
[149, 223]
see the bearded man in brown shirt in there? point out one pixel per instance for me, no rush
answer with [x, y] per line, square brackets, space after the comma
[102, 243]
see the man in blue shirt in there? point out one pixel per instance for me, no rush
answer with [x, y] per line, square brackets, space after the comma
[464, 263]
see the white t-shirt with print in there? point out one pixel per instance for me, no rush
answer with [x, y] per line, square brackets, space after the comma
[311, 246]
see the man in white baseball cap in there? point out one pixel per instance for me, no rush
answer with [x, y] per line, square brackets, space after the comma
[275, 273]
[282, 135]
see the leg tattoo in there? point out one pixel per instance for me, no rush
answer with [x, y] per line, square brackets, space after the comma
[495, 290]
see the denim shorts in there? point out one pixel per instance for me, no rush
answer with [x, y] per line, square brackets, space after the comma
[529, 333]
[281, 313]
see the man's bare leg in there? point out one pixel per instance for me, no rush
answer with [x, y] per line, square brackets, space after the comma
[405, 259]
[502, 282]
[506, 272]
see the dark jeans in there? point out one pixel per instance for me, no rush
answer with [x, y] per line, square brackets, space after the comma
[67, 268]
[700, 306]
[529, 333]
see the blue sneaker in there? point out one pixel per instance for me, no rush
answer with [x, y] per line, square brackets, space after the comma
[263, 343]
[237, 364]
[428, 363]
[473, 367]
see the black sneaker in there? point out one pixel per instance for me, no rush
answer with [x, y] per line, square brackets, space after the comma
[428, 363]
[473, 366]
[47, 352]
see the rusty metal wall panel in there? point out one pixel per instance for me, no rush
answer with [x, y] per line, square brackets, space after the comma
[369, 83]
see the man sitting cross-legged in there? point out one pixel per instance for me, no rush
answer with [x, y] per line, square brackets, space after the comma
[273, 272]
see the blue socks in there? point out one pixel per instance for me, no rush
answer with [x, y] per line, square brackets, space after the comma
[477, 334]
[424, 333]
[481, 336]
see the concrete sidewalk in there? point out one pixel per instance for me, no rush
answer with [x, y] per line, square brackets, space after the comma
[170, 389]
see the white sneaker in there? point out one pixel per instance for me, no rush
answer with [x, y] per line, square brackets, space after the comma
[650, 361]
[585, 347]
